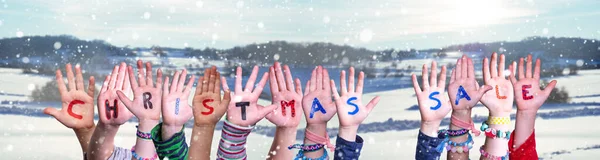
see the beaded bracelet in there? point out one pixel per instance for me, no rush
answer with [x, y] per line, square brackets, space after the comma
[448, 144]
[490, 156]
[494, 133]
[142, 135]
[460, 149]
[452, 133]
[136, 156]
[499, 120]
[300, 156]
[306, 148]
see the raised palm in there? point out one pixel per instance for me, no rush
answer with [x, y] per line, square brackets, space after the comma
[243, 109]
[176, 109]
[146, 97]
[500, 99]
[350, 109]
[111, 110]
[77, 104]
[463, 90]
[284, 97]
[208, 105]
[529, 83]
[318, 92]
[433, 103]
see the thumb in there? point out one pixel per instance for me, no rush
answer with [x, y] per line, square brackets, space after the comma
[373, 103]
[124, 99]
[263, 111]
[52, 112]
[226, 98]
[484, 89]
[550, 87]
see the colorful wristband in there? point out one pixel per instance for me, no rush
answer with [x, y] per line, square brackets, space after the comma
[306, 148]
[452, 133]
[143, 135]
[136, 156]
[493, 133]
[490, 156]
[300, 156]
[499, 120]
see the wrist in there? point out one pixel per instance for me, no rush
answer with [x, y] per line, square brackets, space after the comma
[499, 114]
[84, 130]
[348, 133]
[529, 112]
[430, 128]
[146, 125]
[462, 114]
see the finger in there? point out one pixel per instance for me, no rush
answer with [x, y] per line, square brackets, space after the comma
[483, 89]
[336, 95]
[113, 81]
[512, 70]
[60, 83]
[181, 80]
[174, 82]
[307, 88]
[458, 68]
[326, 79]
[78, 78]
[70, 78]
[280, 80]
[486, 70]
[134, 84]
[343, 88]
[453, 75]
[319, 83]
[52, 112]
[501, 66]
[211, 79]
[470, 69]
[442, 81]
[273, 81]
[288, 78]
[91, 86]
[536, 71]
[313, 80]
[199, 85]
[351, 84]
[124, 99]
[298, 86]
[425, 77]
[224, 83]
[121, 76]
[433, 79]
[263, 111]
[521, 69]
[416, 84]
[360, 83]
[261, 84]
[141, 76]
[373, 103]
[104, 84]
[205, 80]
[238, 80]
[529, 67]
[166, 87]
[217, 82]
[159, 78]
[251, 80]
[494, 66]
[127, 83]
[149, 81]
[188, 88]
[550, 87]
[226, 97]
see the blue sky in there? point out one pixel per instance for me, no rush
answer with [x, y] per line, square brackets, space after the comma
[376, 24]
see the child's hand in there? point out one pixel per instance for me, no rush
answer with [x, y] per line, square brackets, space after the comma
[528, 94]
[77, 104]
[244, 110]
[500, 100]
[111, 110]
[463, 90]
[208, 106]
[351, 111]
[317, 104]
[433, 103]
[287, 100]
[176, 110]
[146, 97]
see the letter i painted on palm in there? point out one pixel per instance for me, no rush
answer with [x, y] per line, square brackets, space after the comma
[177, 106]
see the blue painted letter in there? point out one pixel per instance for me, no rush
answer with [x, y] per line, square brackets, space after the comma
[316, 106]
[439, 104]
[461, 94]
[352, 104]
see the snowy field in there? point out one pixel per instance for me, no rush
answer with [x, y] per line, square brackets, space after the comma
[44, 138]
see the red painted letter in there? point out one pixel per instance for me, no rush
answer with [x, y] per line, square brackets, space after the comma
[210, 109]
[108, 109]
[288, 104]
[526, 92]
[70, 109]
[498, 94]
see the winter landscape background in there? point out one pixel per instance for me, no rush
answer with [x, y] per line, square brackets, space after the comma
[388, 40]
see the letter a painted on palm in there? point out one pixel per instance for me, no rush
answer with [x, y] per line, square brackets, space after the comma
[316, 106]
[461, 94]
